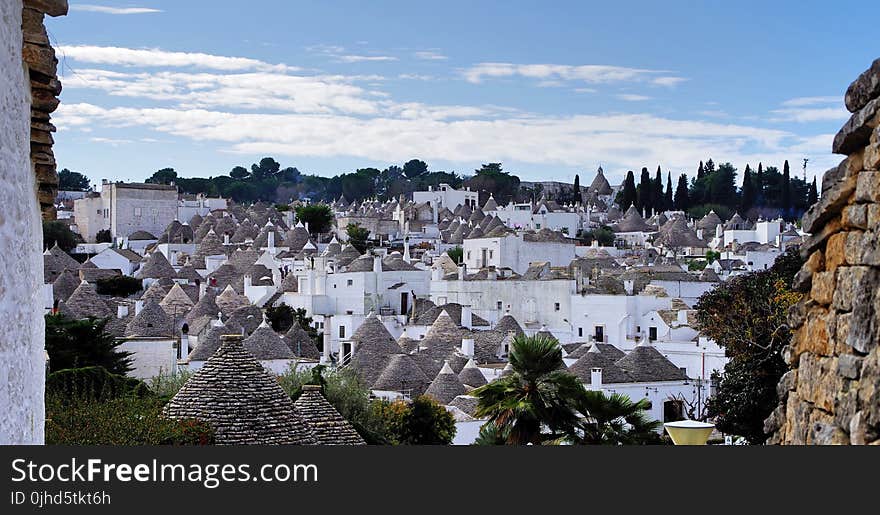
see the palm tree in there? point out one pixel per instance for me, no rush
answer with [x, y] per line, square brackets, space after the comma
[613, 419]
[534, 404]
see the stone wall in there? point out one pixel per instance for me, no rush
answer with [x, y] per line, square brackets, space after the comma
[45, 88]
[831, 395]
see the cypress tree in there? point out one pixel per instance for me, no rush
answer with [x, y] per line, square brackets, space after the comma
[628, 195]
[759, 185]
[700, 171]
[748, 191]
[657, 191]
[667, 198]
[786, 188]
[682, 202]
[644, 198]
[812, 194]
[577, 188]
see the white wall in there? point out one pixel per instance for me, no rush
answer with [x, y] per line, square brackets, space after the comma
[151, 357]
[515, 253]
[22, 358]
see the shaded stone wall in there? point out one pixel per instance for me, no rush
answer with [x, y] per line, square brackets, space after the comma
[39, 56]
[831, 395]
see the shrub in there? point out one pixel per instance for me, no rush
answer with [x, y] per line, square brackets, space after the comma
[103, 236]
[93, 383]
[83, 343]
[422, 422]
[118, 286]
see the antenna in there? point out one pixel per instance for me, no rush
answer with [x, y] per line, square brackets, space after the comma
[806, 160]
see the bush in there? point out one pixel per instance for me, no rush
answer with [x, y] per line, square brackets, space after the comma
[58, 232]
[345, 392]
[83, 343]
[167, 386]
[280, 317]
[422, 422]
[456, 254]
[119, 286]
[93, 383]
[103, 236]
[125, 420]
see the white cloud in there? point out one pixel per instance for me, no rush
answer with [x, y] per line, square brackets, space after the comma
[430, 55]
[415, 76]
[589, 73]
[629, 97]
[153, 57]
[111, 141]
[820, 114]
[113, 10]
[807, 101]
[364, 58]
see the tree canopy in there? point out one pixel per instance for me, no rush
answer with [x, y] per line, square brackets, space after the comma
[72, 181]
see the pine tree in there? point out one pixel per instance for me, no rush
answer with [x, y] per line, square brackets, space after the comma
[628, 195]
[657, 191]
[759, 185]
[700, 171]
[577, 188]
[644, 198]
[748, 191]
[813, 194]
[786, 188]
[682, 202]
[667, 198]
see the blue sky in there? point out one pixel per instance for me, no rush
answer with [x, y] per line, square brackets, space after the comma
[548, 90]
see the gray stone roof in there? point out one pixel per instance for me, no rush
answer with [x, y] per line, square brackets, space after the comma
[85, 302]
[509, 323]
[594, 357]
[632, 222]
[176, 302]
[156, 267]
[373, 346]
[301, 343]
[204, 307]
[607, 349]
[266, 344]
[452, 309]
[229, 300]
[248, 317]
[189, 273]
[210, 342]
[151, 322]
[55, 261]
[141, 235]
[240, 400]
[446, 386]
[225, 275]
[327, 425]
[156, 291]
[65, 285]
[470, 375]
[400, 374]
[466, 403]
[645, 364]
[600, 184]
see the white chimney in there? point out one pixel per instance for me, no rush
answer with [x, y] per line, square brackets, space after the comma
[682, 316]
[700, 234]
[226, 238]
[138, 306]
[203, 289]
[437, 273]
[595, 379]
[628, 286]
[377, 264]
[467, 320]
[325, 355]
[492, 274]
[307, 227]
[247, 281]
[467, 347]
[121, 311]
[462, 272]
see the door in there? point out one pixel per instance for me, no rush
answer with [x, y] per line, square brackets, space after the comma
[404, 303]
[485, 263]
[600, 333]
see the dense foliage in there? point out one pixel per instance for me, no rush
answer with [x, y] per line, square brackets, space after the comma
[319, 217]
[747, 316]
[55, 231]
[604, 235]
[83, 343]
[456, 254]
[280, 317]
[358, 236]
[72, 181]
[540, 402]
[103, 236]
[423, 421]
[118, 286]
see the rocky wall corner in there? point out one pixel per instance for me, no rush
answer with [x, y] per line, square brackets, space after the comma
[831, 395]
[42, 64]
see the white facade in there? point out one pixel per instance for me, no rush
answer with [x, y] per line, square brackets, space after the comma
[516, 253]
[447, 196]
[201, 205]
[124, 208]
[151, 357]
[524, 216]
[22, 354]
[110, 259]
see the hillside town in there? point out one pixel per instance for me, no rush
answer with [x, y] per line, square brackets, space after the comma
[432, 307]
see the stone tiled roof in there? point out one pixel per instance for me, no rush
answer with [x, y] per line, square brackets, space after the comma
[632, 222]
[373, 346]
[594, 357]
[248, 317]
[229, 300]
[240, 400]
[645, 364]
[446, 386]
[452, 309]
[156, 292]
[204, 307]
[600, 184]
[301, 343]
[189, 273]
[224, 276]
[85, 302]
[266, 344]
[400, 374]
[151, 322]
[327, 425]
[55, 261]
[210, 342]
[65, 285]
[509, 323]
[176, 302]
[141, 235]
[470, 375]
[156, 267]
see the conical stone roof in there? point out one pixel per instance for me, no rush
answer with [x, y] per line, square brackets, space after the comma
[300, 343]
[85, 302]
[645, 364]
[373, 346]
[240, 400]
[266, 344]
[400, 374]
[446, 386]
[176, 302]
[471, 376]
[327, 425]
[65, 285]
[156, 267]
[229, 300]
[151, 322]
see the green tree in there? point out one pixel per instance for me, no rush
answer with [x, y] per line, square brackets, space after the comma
[644, 196]
[55, 231]
[491, 179]
[576, 190]
[358, 236]
[748, 191]
[786, 189]
[813, 195]
[414, 168]
[103, 236]
[83, 343]
[456, 254]
[72, 181]
[318, 216]
[163, 176]
[613, 420]
[118, 286]
[534, 404]
[682, 198]
[266, 168]
[628, 193]
[421, 422]
[668, 201]
[657, 191]
[280, 317]
[747, 316]
[604, 235]
[239, 173]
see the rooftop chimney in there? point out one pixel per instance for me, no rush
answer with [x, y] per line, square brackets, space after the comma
[467, 315]
[595, 379]
[462, 271]
[467, 347]
[121, 311]
[138, 306]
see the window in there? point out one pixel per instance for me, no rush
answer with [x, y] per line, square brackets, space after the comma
[652, 333]
[137, 211]
[342, 331]
[555, 306]
[580, 332]
[499, 304]
[490, 254]
[469, 255]
[349, 282]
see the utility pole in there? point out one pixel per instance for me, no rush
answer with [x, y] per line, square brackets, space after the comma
[806, 160]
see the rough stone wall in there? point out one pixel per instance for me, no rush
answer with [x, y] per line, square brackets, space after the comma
[831, 395]
[45, 88]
